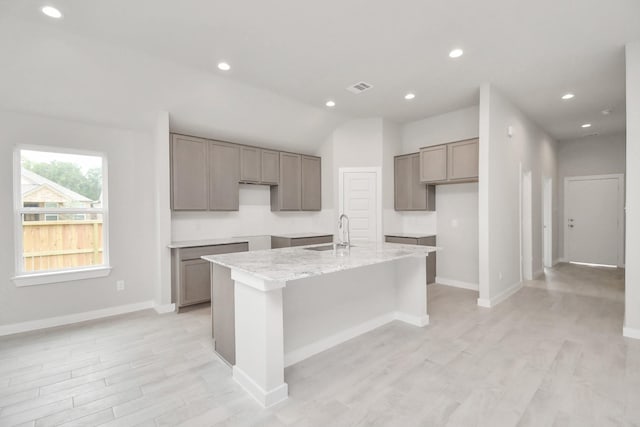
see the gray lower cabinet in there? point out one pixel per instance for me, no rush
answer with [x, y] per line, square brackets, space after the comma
[288, 242]
[223, 325]
[189, 173]
[409, 193]
[191, 274]
[423, 241]
[311, 188]
[450, 163]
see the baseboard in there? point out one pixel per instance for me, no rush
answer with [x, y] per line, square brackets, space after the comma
[263, 397]
[559, 260]
[419, 321]
[312, 349]
[538, 273]
[492, 302]
[631, 333]
[52, 322]
[456, 283]
[164, 308]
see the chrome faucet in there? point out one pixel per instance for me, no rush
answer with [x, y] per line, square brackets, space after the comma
[341, 231]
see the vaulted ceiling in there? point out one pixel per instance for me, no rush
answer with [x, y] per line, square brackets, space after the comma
[534, 51]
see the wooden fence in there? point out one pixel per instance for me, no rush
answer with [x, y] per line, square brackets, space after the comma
[50, 245]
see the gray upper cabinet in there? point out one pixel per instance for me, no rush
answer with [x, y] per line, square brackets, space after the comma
[287, 195]
[224, 176]
[270, 167]
[433, 164]
[189, 172]
[409, 193]
[450, 163]
[311, 184]
[250, 164]
[463, 160]
[206, 175]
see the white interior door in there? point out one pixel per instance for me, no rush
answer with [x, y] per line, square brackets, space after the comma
[359, 201]
[592, 223]
[527, 228]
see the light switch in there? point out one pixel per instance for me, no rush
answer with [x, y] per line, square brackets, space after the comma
[454, 223]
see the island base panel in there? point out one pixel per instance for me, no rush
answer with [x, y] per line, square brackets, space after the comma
[259, 367]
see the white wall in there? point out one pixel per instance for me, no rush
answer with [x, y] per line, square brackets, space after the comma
[254, 217]
[594, 155]
[131, 219]
[632, 272]
[99, 82]
[456, 218]
[162, 210]
[499, 192]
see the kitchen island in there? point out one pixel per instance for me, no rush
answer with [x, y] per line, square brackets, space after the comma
[293, 303]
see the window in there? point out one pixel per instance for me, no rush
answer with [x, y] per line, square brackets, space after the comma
[60, 215]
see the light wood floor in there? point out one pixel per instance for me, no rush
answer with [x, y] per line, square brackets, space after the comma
[552, 355]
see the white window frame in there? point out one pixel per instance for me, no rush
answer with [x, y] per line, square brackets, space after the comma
[27, 278]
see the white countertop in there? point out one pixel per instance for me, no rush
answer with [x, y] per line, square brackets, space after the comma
[207, 242]
[298, 263]
[301, 235]
[410, 235]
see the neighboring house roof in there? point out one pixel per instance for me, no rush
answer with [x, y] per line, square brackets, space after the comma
[32, 182]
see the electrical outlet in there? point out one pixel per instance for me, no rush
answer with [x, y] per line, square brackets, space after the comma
[120, 285]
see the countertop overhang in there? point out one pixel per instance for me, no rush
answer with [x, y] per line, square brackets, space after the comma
[287, 264]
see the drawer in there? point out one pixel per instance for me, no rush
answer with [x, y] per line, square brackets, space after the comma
[197, 252]
[403, 240]
[311, 240]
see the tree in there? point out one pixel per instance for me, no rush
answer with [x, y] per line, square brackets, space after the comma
[69, 175]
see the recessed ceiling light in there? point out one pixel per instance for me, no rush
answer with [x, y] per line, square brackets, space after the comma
[224, 66]
[456, 53]
[586, 125]
[51, 12]
[409, 96]
[330, 104]
[568, 96]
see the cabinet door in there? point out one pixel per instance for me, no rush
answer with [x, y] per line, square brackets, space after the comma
[195, 282]
[250, 164]
[433, 164]
[402, 183]
[224, 176]
[402, 240]
[304, 241]
[463, 160]
[188, 174]
[270, 167]
[289, 190]
[311, 184]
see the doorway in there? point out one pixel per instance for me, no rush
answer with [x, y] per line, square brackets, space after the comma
[361, 200]
[593, 223]
[526, 226]
[547, 222]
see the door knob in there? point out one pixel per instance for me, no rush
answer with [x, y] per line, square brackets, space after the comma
[570, 225]
[570, 219]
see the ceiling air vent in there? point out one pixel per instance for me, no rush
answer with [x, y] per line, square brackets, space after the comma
[359, 87]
